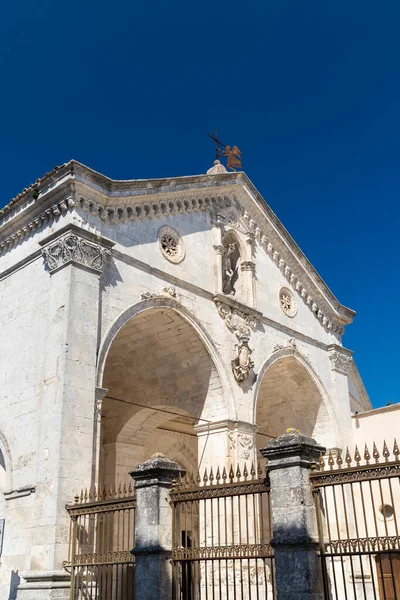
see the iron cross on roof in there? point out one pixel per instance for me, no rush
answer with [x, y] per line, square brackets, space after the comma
[233, 154]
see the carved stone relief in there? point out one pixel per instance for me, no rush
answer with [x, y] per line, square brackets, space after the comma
[72, 248]
[171, 244]
[340, 361]
[241, 321]
[165, 292]
[243, 442]
[242, 363]
[287, 302]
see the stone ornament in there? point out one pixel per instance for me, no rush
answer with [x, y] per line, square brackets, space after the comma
[287, 302]
[245, 443]
[74, 249]
[236, 320]
[171, 244]
[242, 363]
[165, 292]
[340, 362]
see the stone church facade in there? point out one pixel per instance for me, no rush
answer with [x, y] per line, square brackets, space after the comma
[168, 315]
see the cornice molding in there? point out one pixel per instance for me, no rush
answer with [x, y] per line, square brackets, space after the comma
[41, 220]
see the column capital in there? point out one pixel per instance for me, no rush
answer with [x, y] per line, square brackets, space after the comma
[340, 358]
[71, 244]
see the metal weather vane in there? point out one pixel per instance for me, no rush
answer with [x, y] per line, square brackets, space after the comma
[232, 153]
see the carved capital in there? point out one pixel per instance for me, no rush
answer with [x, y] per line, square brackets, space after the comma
[78, 247]
[98, 402]
[340, 358]
[248, 265]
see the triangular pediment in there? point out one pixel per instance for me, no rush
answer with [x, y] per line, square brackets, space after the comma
[230, 197]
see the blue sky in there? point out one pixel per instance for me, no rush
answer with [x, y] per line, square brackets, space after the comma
[309, 91]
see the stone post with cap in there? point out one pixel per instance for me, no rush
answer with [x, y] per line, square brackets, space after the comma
[294, 522]
[153, 527]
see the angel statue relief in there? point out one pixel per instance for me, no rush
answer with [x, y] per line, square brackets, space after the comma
[229, 269]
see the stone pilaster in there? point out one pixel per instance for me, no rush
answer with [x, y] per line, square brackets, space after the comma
[225, 443]
[67, 434]
[340, 360]
[153, 527]
[294, 524]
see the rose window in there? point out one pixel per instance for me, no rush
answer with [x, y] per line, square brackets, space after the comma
[171, 244]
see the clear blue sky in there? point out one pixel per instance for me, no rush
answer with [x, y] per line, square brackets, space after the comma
[309, 91]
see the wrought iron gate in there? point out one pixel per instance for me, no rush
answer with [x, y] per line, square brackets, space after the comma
[357, 511]
[221, 535]
[101, 537]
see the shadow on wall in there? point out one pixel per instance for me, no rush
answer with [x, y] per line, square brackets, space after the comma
[14, 582]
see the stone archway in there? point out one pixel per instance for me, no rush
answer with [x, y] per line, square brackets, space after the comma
[161, 382]
[291, 395]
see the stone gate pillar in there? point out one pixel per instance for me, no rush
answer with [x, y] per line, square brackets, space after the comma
[294, 524]
[153, 528]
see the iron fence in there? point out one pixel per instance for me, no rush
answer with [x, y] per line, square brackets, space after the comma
[101, 537]
[221, 536]
[356, 499]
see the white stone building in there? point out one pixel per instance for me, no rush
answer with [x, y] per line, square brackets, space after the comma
[173, 315]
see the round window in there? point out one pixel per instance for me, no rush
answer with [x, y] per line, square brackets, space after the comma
[387, 511]
[287, 302]
[171, 244]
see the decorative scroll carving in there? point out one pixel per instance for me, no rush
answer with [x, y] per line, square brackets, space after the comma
[242, 363]
[73, 249]
[236, 319]
[340, 362]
